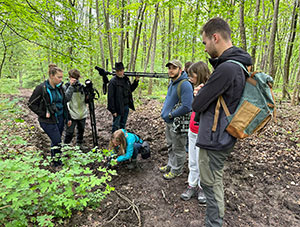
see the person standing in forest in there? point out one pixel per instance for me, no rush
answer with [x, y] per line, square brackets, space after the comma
[119, 97]
[77, 106]
[228, 79]
[198, 75]
[176, 141]
[49, 103]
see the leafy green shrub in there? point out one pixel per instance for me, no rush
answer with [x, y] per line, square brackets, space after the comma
[31, 194]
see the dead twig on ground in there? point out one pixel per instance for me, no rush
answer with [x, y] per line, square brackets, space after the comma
[132, 206]
[164, 196]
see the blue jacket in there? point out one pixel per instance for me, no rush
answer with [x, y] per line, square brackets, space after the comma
[186, 92]
[228, 79]
[131, 139]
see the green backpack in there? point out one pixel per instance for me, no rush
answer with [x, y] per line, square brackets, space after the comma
[255, 108]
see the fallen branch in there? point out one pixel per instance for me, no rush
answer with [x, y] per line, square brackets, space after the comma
[132, 205]
[4, 207]
[135, 208]
[164, 196]
[118, 214]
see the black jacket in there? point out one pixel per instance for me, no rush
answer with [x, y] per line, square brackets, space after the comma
[40, 103]
[228, 79]
[115, 101]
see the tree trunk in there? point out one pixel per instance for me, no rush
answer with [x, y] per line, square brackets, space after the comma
[163, 39]
[155, 25]
[176, 44]
[295, 98]
[242, 27]
[170, 30]
[100, 36]
[196, 34]
[151, 38]
[121, 37]
[255, 27]
[289, 49]
[4, 51]
[138, 36]
[107, 27]
[272, 40]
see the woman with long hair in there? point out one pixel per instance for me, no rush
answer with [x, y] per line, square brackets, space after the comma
[198, 74]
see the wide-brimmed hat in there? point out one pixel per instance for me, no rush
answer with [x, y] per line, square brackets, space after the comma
[175, 62]
[119, 66]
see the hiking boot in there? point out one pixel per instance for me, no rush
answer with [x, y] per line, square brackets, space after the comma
[201, 196]
[132, 164]
[165, 169]
[189, 193]
[170, 175]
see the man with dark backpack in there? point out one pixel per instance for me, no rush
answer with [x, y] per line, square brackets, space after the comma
[227, 80]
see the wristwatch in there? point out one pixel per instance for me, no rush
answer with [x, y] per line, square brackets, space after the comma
[170, 116]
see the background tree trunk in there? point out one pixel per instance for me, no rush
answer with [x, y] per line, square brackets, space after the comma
[254, 40]
[153, 50]
[272, 40]
[289, 49]
[100, 35]
[108, 33]
[242, 27]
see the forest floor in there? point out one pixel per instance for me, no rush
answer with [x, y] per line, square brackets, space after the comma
[261, 176]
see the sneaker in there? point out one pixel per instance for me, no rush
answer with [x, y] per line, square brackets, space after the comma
[165, 169]
[170, 175]
[189, 193]
[201, 196]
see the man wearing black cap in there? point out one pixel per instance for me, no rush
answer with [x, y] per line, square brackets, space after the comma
[119, 97]
[176, 141]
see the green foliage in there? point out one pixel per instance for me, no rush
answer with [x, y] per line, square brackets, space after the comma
[31, 191]
[9, 86]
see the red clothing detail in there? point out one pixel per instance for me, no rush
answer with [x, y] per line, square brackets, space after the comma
[194, 128]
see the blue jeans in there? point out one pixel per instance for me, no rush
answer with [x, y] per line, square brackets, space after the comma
[119, 121]
[136, 150]
[54, 131]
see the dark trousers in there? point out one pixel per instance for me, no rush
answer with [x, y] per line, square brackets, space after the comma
[54, 131]
[119, 122]
[80, 131]
[136, 150]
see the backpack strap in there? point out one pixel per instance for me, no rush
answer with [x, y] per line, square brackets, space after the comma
[179, 89]
[217, 112]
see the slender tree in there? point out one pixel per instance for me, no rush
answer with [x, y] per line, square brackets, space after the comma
[242, 26]
[108, 32]
[255, 34]
[100, 36]
[272, 40]
[289, 49]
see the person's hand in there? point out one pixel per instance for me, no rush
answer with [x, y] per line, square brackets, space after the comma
[47, 114]
[72, 81]
[69, 123]
[115, 114]
[196, 89]
[137, 78]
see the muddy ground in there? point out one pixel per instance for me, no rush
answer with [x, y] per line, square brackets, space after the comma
[261, 179]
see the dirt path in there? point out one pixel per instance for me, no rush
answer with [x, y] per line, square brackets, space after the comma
[261, 177]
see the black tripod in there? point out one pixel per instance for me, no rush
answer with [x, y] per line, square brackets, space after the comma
[90, 96]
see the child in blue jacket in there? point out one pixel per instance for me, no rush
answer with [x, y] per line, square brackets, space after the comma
[126, 145]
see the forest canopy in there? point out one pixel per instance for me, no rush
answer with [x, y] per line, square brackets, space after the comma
[144, 35]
